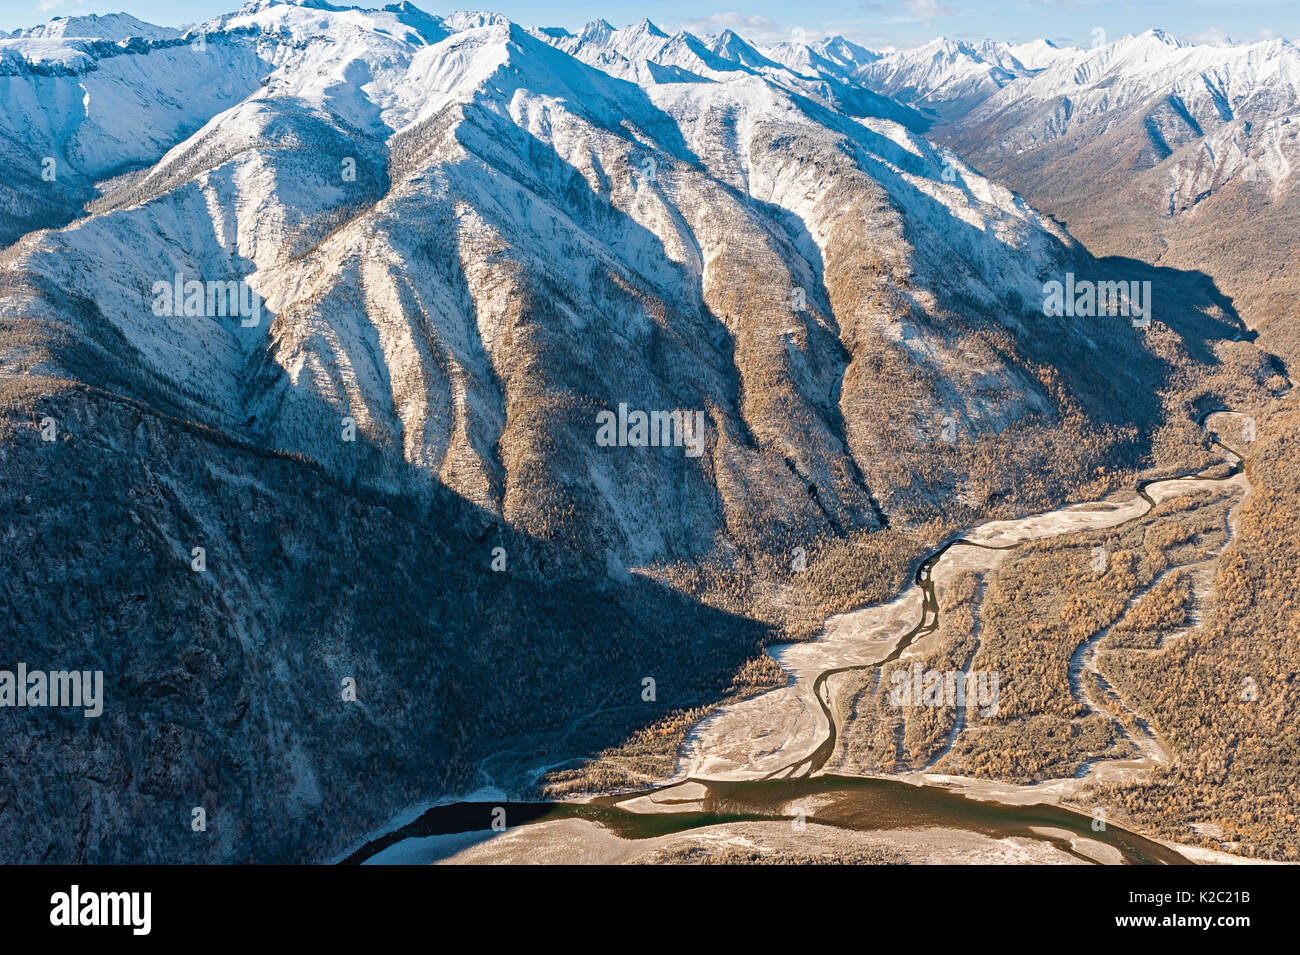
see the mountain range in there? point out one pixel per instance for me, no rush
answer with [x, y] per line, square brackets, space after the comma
[457, 241]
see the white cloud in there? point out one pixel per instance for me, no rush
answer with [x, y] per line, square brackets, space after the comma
[763, 31]
[929, 9]
[917, 11]
[46, 6]
[754, 28]
[1216, 37]
[1213, 36]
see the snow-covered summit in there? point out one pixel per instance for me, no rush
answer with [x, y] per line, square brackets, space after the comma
[111, 26]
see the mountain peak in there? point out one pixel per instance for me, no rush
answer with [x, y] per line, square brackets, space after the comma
[1159, 36]
[948, 47]
[257, 6]
[644, 27]
[732, 46]
[597, 30]
[1163, 37]
[107, 26]
[729, 39]
[1036, 54]
[474, 19]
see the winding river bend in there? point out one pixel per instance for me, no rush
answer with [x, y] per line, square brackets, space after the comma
[929, 622]
[724, 779]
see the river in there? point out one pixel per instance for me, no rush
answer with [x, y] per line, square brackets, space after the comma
[726, 781]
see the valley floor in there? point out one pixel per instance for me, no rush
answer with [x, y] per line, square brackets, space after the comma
[783, 741]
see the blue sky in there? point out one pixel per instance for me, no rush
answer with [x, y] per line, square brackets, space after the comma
[875, 23]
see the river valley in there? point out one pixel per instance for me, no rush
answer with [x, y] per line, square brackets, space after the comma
[764, 778]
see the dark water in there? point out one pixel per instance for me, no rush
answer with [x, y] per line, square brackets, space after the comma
[847, 802]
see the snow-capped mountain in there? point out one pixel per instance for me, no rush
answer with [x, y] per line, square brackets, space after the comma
[505, 138]
[1153, 147]
[99, 96]
[832, 57]
[643, 53]
[1148, 146]
[946, 77]
[1201, 87]
[1037, 54]
[455, 244]
[114, 27]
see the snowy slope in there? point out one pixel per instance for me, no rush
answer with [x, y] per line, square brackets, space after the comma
[945, 74]
[1207, 85]
[645, 54]
[994, 99]
[114, 27]
[1151, 147]
[469, 236]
